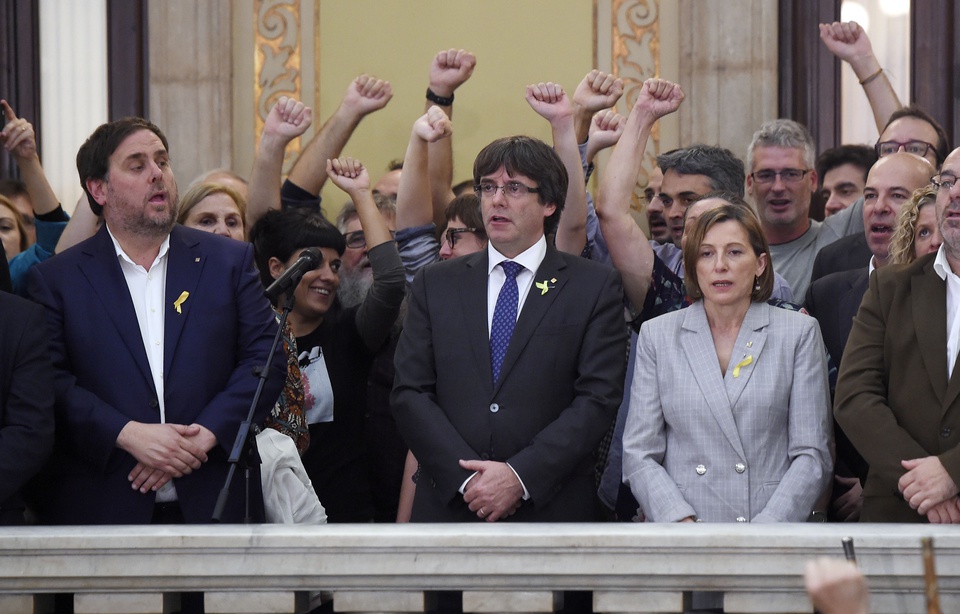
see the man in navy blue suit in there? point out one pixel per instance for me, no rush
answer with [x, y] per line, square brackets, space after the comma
[155, 330]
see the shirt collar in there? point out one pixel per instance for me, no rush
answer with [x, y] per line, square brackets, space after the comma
[941, 265]
[164, 247]
[530, 258]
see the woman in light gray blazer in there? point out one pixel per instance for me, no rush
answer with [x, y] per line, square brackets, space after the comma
[729, 411]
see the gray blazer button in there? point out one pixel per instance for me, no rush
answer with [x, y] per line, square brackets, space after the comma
[701, 469]
[494, 407]
[741, 519]
[740, 467]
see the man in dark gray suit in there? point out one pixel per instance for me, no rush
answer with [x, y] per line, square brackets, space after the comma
[511, 363]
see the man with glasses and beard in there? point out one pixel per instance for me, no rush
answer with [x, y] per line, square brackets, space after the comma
[356, 276]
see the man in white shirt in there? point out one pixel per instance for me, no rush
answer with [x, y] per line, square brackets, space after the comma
[154, 330]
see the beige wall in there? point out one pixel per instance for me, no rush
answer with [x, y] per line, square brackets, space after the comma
[396, 40]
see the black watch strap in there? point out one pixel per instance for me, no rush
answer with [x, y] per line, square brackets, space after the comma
[440, 100]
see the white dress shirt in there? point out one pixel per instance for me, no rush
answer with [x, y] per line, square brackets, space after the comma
[530, 259]
[147, 292]
[942, 267]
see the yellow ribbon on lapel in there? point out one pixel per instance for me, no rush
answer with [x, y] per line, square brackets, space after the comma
[743, 363]
[177, 303]
[545, 285]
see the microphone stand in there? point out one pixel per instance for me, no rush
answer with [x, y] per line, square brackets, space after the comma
[245, 440]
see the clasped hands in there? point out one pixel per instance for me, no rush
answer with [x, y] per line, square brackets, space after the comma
[164, 451]
[494, 491]
[930, 490]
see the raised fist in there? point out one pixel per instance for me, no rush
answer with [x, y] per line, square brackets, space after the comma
[433, 125]
[449, 70]
[597, 91]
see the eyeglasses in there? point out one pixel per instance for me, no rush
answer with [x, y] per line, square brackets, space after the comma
[452, 235]
[356, 240]
[787, 175]
[513, 189]
[944, 181]
[917, 148]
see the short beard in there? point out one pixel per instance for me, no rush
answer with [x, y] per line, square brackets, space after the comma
[152, 229]
[354, 287]
[143, 225]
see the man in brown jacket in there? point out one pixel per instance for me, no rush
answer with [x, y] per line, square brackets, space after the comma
[896, 397]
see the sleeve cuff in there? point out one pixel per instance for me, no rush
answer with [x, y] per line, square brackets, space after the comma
[526, 493]
[463, 487]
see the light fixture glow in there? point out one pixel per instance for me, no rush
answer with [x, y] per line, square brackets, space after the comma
[895, 8]
[854, 11]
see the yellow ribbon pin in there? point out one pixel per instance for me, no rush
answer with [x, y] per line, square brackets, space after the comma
[177, 303]
[743, 363]
[544, 285]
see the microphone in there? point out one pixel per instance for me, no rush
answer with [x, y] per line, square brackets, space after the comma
[309, 259]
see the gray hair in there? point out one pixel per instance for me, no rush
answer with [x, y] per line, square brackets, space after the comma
[723, 169]
[784, 133]
[386, 205]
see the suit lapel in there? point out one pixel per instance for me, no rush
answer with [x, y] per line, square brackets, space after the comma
[928, 294]
[850, 300]
[473, 306]
[749, 346]
[184, 265]
[102, 271]
[535, 307]
[701, 354]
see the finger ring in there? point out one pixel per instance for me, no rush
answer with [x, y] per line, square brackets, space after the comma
[482, 515]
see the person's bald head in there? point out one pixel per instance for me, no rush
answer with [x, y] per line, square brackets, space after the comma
[890, 183]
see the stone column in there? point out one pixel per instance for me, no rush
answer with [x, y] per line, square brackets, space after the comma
[728, 70]
[190, 84]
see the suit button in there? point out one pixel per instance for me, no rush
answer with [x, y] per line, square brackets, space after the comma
[494, 407]
[701, 469]
[741, 519]
[484, 456]
[740, 467]
[153, 403]
[945, 432]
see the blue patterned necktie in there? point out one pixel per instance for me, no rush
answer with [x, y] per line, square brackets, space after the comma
[504, 316]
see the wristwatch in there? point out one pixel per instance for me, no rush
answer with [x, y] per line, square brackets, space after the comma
[440, 100]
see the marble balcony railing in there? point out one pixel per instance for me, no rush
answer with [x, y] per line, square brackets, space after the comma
[499, 567]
